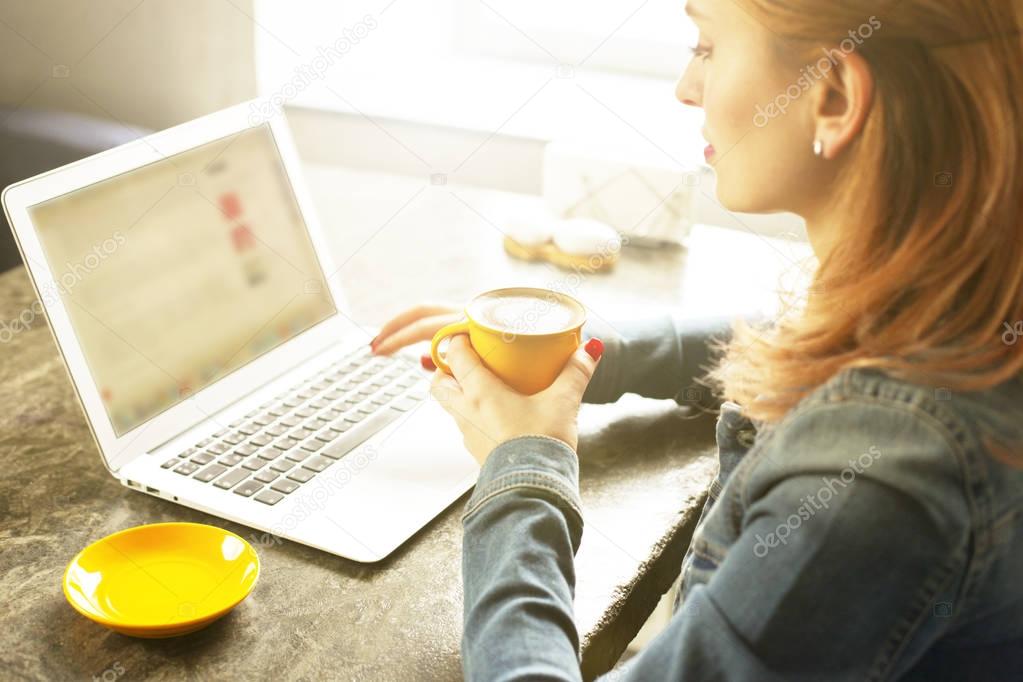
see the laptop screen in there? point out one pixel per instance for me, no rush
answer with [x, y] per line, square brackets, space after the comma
[177, 273]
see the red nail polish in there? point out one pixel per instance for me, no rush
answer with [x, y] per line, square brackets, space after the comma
[426, 360]
[595, 347]
[376, 339]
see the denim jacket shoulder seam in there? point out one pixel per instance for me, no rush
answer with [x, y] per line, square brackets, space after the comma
[955, 446]
[903, 630]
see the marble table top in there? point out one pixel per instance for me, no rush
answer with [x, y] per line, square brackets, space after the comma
[644, 467]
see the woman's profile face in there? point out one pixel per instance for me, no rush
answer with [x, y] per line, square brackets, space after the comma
[763, 161]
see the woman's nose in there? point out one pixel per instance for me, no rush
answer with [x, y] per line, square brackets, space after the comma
[686, 90]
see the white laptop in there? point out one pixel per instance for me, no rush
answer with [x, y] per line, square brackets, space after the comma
[192, 296]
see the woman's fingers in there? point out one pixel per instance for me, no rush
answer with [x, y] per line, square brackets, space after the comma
[421, 329]
[470, 372]
[446, 391]
[409, 316]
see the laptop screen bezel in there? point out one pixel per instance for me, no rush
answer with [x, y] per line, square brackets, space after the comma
[200, 406]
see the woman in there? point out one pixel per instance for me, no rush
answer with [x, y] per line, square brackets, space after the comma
[873, 528]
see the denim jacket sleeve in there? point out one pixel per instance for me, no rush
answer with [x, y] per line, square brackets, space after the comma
[847, 593]
[659, 357]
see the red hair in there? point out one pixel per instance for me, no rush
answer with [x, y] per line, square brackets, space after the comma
[929, 267]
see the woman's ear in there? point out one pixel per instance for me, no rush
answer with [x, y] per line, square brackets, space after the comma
[842, 102]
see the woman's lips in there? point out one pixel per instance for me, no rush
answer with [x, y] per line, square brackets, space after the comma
[708, 152]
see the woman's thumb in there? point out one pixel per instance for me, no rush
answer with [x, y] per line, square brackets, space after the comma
[578, 371]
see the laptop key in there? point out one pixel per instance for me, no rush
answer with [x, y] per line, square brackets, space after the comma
[260, 440]
[404, 404]
[248, 488]
[359, 433]
[266, 476]
[234, 438]
[285, 486]
[269, 497]
[254, 463]
[313, 445]
[245, 449]
[172, 462]
[270, 454]
[264, 419]
[210, 472]
[298, 455]
[249, 429]
[276, 430]
[282, 465]
[327, 436]
[301, 475]
[218, 448]
[203, 458]
[231, 460]
[285, 443]
[187, 469]
[187, 453]
[231, 479]
[317, 463]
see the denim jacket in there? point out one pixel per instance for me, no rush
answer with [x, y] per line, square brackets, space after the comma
[870, 535]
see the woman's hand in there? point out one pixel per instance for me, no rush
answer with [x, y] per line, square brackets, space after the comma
[489, 412]
[419, 323]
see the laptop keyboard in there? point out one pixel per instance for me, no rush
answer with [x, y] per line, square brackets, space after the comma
[284, 443]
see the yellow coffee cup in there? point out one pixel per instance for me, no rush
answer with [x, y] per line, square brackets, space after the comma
[524, 335]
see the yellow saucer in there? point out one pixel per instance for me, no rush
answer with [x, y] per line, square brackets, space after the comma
[162, 579]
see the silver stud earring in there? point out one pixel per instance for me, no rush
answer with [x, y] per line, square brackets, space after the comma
[818, 148]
